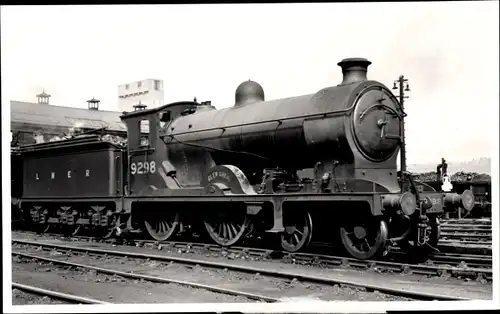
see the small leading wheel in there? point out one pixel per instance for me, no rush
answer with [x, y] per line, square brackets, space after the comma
[434, 233]
[161, 225]
[298, 235]
[365, 240]
[226, 227]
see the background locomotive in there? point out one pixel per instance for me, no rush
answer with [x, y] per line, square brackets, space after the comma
[324, 162]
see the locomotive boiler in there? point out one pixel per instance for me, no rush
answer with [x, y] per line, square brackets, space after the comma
[352, 128]
[324, 162]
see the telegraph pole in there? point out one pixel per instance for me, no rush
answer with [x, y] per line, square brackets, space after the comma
[400, 84]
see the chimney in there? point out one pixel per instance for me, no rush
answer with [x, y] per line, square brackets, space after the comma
[139, 106]
[43, 98]
[93, 104]
[354, 70]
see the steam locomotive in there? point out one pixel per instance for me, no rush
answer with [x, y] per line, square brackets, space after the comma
[322, 164]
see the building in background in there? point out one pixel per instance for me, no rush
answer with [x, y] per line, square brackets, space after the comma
[148, 92]
[41, 122]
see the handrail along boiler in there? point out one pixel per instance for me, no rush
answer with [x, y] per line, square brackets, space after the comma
[325, 160]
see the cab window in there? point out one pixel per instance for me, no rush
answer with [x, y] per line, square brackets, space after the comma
[164, 118]
[144, 129]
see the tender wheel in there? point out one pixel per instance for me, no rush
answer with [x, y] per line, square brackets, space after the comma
[365, 240]
[161, 225]
[43, 228]
[226, 227]
[108, 232]
[298, 234]
[72, 230]
[76, 230]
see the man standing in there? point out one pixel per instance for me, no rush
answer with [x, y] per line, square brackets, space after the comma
[442, 176]
[444, 167]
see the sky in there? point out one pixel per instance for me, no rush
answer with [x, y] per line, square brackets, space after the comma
[449, 51]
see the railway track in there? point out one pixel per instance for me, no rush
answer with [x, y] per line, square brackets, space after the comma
[465, 225]
[129, 275]
[463, 236]
[452, 244]
[467, 231]
[481, 238]
[475, 221]
[67, 250]
[448, 258]
[69, 298]
[458, 265]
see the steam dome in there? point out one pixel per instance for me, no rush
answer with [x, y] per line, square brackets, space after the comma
[248, 92]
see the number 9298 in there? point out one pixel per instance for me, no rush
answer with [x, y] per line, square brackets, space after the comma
[142, 167]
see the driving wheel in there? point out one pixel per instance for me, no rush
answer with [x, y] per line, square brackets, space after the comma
[298, 232]
[161, 225]
[365, 240]
[226, 227]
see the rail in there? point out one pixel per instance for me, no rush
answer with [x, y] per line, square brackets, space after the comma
[56, 295]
